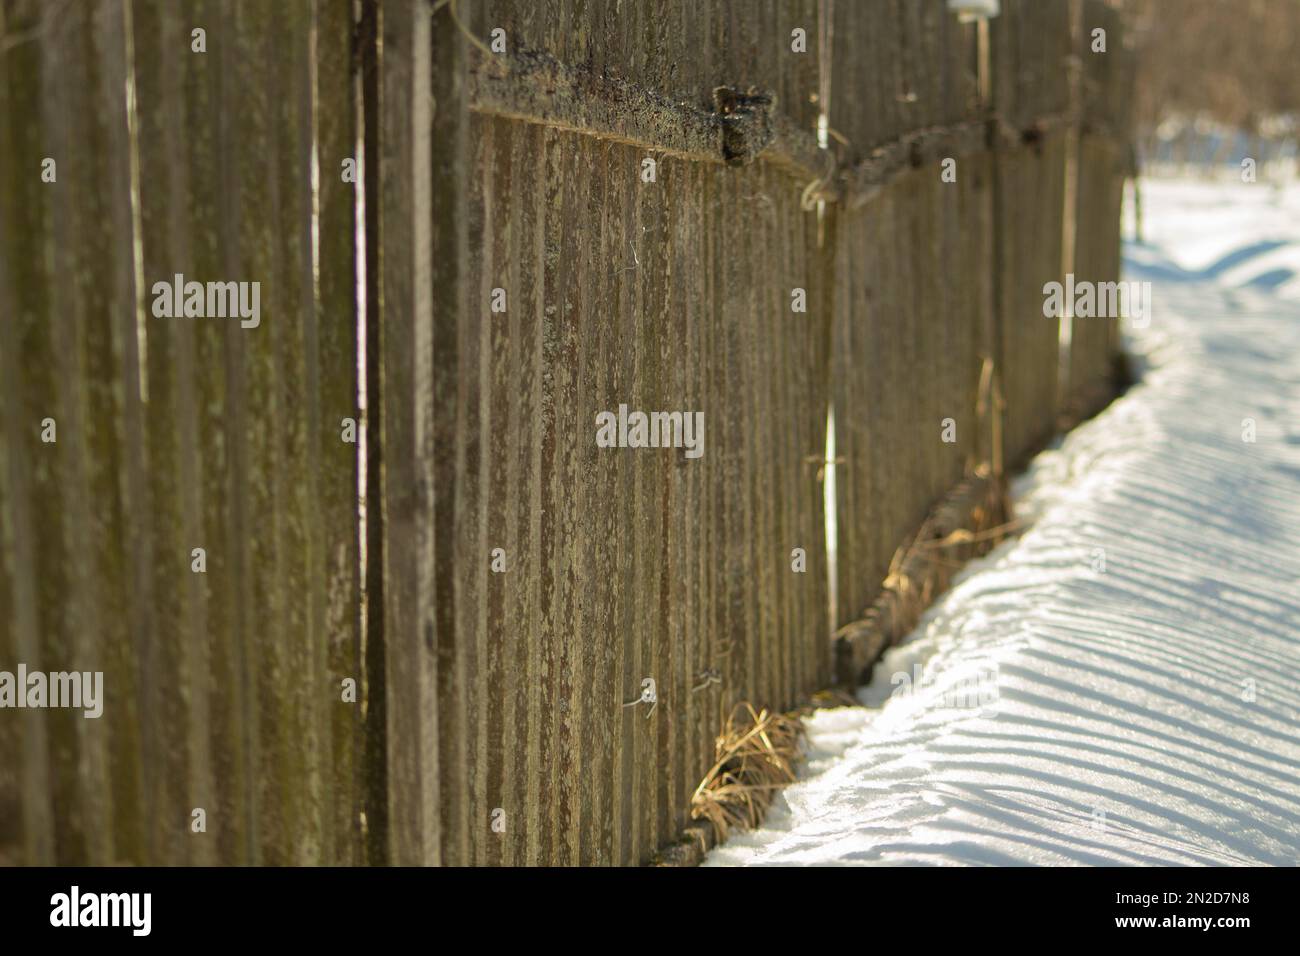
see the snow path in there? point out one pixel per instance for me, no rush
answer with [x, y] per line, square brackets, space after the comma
[1123, 729]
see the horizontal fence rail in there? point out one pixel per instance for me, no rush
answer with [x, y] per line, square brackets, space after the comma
[385, 570]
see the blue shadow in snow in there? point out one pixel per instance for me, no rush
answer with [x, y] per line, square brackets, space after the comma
[1239, 256]
[1271, 279]
[1169, 272]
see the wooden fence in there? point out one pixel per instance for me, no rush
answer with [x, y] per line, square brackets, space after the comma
[393, 478]
[172, 434]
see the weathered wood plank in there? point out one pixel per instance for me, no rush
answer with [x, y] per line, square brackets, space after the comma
[160, 39]
[27, 504]
[420, 176]
[332, 355]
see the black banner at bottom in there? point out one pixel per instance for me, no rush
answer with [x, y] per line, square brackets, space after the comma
[653, 906]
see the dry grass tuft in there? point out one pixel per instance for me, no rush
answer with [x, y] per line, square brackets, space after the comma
[755, 756]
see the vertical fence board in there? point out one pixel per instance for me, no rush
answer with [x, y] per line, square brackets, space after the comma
[493, 673]
[420, 177]
[592, 687]
[159, 41]
[336, 629]
[81, 755]
[1105, 94]
[29, 503]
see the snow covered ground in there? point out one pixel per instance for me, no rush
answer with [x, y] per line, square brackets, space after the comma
[1121, 684]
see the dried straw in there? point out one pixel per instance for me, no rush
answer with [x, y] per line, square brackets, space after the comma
[755, 756]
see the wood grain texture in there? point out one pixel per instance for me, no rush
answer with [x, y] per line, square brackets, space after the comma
[499, 720]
